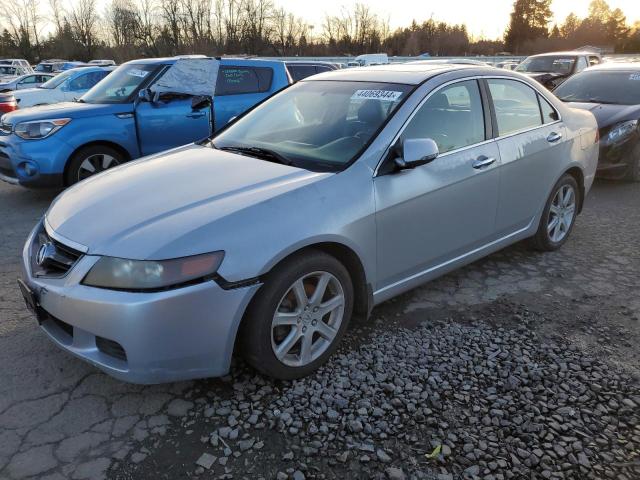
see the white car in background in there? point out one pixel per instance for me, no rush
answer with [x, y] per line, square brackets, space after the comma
[30, 80]
[64, 87]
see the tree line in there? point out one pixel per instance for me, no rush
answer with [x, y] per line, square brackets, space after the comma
[126, 29]
[530, 29]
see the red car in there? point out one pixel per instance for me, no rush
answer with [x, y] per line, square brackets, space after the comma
[7, 103]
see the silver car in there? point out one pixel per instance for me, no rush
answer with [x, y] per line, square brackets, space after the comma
[331, 197]
[30, 80]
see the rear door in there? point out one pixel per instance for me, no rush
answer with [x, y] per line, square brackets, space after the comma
[238, 89]
[531, 139]
[434, 213]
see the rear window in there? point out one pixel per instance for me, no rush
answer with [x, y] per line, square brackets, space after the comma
[299, 72]
[237, 80]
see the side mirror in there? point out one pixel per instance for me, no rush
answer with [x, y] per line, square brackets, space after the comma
[200, 102]
[144, 95]
[416, 152]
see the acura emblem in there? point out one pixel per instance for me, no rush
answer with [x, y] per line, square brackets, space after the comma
[46, 251]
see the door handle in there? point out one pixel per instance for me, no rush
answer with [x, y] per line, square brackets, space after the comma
[195, 115]
[483, 162]
[554, 137]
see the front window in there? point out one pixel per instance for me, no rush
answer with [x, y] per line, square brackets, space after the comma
[547, 64]
[622, 88]
[121, 84]
[452, 117]
[321, 125]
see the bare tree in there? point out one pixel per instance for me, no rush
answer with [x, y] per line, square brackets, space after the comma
[84, 20]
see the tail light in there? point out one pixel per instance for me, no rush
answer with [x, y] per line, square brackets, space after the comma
[8, 104]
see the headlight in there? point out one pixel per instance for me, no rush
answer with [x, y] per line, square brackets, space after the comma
[39, 128]
[621, 131]
[124, 274]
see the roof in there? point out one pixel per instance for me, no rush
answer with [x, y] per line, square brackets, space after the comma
[405, 73]
[617, 66]
[568, 53]
[223, 60]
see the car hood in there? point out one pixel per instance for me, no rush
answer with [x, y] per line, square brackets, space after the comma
[173, 204]
[607, 114]
[65, 110]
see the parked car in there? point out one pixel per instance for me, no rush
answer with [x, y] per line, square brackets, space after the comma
[120, 120]
[300, 70]
[30, 80]
[50, 66]
[64, 87]
[611, 92]
[103, 63]
[25, 67]
[69, 65]
[11, 72]
[551, 69]
[370, 58]
[7, 103]
[510, 65]
[344, 190]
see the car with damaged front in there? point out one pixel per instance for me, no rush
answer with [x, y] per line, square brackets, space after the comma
[142, 107]
[334, 195]
[611, 92]
[553, 68]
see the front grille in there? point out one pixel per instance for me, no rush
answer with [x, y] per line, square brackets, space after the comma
[111, 348]
[5, 165]
[59, 258]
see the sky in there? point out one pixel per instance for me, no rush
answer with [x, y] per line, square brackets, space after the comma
[484, 18]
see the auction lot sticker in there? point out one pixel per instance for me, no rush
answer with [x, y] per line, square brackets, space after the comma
[382, 95]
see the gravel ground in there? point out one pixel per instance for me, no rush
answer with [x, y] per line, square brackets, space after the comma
[522, 365]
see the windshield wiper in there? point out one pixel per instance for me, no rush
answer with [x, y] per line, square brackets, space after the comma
[262, 153]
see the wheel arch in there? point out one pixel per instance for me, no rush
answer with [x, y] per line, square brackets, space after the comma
[119, 148]
[578, 175]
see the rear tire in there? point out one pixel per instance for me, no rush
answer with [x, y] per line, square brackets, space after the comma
[298, 317]
[91, 160]
[559, 215]
[633, 174]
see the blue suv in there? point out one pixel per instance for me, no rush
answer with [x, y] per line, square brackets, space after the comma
[118, 120]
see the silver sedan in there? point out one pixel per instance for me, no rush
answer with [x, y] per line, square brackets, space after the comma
[30, 80]
[333, 196]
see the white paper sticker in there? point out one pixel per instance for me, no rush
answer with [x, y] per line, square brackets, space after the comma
[137, 73]
[634, 76]
[382, 95]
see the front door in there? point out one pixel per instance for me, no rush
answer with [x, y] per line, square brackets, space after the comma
[170, 122]
[434, 213]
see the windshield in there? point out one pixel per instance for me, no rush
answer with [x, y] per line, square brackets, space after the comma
[320, 125]
[4, 70]
[563, 65]
[120, 85]
[57, 80]
[42, 67]
[621, 88]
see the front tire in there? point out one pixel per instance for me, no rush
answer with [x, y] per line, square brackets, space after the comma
[91, 160]
[298, 317]
[559, 215]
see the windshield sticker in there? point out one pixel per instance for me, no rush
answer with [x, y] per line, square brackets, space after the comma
[137, 73]
[634, 76]
[382, 95]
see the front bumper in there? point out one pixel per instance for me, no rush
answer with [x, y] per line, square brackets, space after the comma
[615, 160]
[33, 163]
[139, 337]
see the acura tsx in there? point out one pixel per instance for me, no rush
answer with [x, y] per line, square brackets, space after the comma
[332, 196]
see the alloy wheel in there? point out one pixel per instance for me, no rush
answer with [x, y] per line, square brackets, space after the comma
[95, 164]
[562, 213]
[307, 319]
